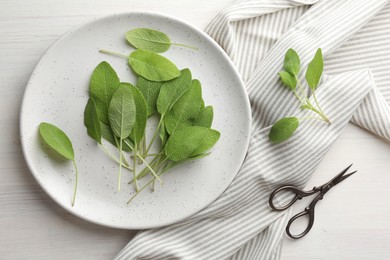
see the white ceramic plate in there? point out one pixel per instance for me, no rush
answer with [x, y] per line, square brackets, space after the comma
[57, 92]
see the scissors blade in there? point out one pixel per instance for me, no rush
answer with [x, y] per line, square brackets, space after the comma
[344, 177]
[340, 177]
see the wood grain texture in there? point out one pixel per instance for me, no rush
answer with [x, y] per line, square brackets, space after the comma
[352, 222]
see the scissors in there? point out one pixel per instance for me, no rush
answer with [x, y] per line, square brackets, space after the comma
[299, 194]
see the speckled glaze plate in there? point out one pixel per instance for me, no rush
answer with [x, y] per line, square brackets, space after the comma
[57, 92]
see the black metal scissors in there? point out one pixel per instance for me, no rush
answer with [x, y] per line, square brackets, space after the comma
[299, 194]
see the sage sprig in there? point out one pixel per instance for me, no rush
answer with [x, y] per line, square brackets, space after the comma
[285, 127]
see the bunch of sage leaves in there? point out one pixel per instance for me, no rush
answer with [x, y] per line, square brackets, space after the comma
[284, 128]
[117, 112]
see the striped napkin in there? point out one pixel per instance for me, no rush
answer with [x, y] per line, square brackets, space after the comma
[355, 38]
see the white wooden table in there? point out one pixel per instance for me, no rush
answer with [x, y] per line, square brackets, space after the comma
[353, 222]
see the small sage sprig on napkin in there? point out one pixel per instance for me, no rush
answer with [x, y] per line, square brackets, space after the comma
[285, 127]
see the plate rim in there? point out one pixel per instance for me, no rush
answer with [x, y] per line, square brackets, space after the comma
[162, 15]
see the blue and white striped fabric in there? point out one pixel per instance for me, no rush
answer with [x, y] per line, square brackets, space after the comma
[355, 38]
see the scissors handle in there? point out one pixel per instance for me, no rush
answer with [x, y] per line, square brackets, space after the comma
[309, 212]
[299, 194]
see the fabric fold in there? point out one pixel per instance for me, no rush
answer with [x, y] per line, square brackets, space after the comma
[221, 29]
[374, 114]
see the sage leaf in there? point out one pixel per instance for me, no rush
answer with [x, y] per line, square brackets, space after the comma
[122, 115]
[314, 70]
[121, 112]
[148, 39]
[141, 114]
[56, 139]
[204, 117]
[151, 40]
[283, 129]
[91, 121]
[152, 66]
[186, 108]
[104, 82]
[288, 80]
[292, 63]
[172, 90]
[108, 135]
[150, 91]
[172, 164]
[189, 142]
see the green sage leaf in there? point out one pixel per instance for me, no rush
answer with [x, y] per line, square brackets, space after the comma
[186, 109]
[152, 66]
[189, 142]
[172, 90]
[122, 116]
[91, 121]
[141, 114]
[288, 80]
[292, 63]
[283, 129]
[56, 139]
[103, 84]
[121, 112]
[314, 70]
[150, 91]
[148, 39]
